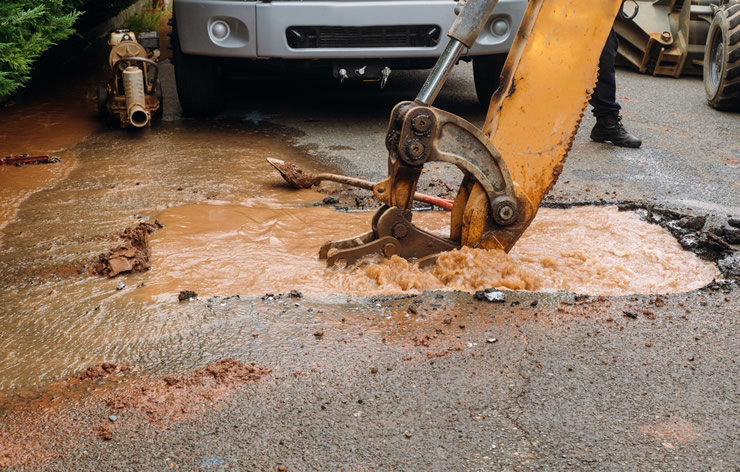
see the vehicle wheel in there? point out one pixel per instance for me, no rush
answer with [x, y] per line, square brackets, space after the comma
[160, 96]
[198, 81]
[487, 76]
[102, 101]
[722, 59]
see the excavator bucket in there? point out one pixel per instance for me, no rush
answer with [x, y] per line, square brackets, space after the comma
[533, 117]
[516, 158]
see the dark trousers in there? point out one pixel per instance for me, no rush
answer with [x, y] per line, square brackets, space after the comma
[604, 98]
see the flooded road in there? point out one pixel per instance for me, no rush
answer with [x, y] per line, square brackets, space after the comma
[54, 115]
[232, 227]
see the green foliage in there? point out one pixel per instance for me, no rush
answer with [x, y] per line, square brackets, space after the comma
[27, 29]
[145, 20]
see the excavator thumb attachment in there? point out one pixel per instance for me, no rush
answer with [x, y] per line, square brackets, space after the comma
[516, 158]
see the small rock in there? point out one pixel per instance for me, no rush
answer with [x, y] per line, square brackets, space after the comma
[113, 418]
[296, 294]
[534, 303]
[734, 222]
[491, 295]
[319, 334]
[373, 370]
[407, 433]
[82, 271]
[413, 309]
[689, 242]
[692, 223]
[732, 235]
[120, 286]
[630, 314]
[282, 468]
[730, 265]
[330, 200]
[491, 340]
[187, 295]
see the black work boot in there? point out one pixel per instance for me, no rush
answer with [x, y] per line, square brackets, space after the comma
[609, 128]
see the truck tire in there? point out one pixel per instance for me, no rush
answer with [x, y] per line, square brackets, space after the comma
[160, 96]
[722, 59]
[198, 81]
[487, 76]
[103, 102]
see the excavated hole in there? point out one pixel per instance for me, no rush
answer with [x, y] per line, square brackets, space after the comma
[225, 250]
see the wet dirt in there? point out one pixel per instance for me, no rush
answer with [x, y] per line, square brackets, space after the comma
[132, 255]
[43, 430]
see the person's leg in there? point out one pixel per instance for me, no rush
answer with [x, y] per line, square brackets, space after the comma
[604, 98]
[608, 126]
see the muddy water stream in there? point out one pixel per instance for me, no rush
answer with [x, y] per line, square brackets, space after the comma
[232, 227]
[55, 114]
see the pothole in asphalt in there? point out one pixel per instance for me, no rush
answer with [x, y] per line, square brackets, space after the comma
[228, 249]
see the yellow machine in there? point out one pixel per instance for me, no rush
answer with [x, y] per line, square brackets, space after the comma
[133, 95]
[511, 163]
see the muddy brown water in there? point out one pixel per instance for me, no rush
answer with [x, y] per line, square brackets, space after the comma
[228, 249]
[233, 227]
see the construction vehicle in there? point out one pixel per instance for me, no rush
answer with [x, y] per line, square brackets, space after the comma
[512, 162]
[693, 37]
[133, 95]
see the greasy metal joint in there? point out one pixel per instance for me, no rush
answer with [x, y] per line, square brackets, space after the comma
[414, 150]
[400, 230]
[504, 210]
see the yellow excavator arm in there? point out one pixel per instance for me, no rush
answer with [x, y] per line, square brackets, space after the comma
[509, 165]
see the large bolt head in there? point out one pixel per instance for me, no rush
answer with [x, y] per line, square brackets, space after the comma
[421, 123]
[504, 210]
[400, 230]
[390, 250]
[415, 150]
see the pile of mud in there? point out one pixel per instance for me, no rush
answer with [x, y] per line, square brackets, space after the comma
[131, 256]
[42, 429]
[105, 369]
[178, 397]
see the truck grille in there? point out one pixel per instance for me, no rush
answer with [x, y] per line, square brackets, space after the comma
[398, 36]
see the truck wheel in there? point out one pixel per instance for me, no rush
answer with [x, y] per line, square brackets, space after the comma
[102, 101]
[722, 59]
[487, 76]
[198, 81]
[160, 96]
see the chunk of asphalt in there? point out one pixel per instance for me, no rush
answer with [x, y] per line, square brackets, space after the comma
[490, 295]
[187, 295]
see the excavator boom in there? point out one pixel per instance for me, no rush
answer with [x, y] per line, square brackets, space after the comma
[509, 165]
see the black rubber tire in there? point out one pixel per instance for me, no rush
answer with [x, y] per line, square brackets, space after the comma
[487, 76]
[102, 101]
[722, 59]
[160, 96]
[198, 80]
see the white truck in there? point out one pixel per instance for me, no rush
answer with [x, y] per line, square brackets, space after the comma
[354, 39]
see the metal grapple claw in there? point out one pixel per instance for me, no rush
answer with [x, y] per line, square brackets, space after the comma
[511, 163]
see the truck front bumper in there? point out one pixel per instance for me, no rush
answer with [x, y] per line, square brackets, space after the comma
[246, 29]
